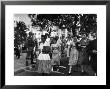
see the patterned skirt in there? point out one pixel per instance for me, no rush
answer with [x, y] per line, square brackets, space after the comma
[44, 66]
[73, 60]
[56, 58]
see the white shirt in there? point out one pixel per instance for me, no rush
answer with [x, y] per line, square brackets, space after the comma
[47, 42]
[43, 56]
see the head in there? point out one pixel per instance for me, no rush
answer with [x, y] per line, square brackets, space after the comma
[78, 46]
[75, 39]
[47, 35]
[55, 39]
[43, 38]
[30, 34]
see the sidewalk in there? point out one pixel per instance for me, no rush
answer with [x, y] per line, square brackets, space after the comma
[19, 64]
[20, 69]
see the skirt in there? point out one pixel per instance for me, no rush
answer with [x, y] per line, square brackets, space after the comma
[73, 59]
[56, 58]
[44, 63]
[83, 59]
[44, 66]
[43, 56]
[80, 58]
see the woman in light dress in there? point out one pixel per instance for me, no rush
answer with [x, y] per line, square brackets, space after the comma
[44, 62]
[73, 56]
[56, 55]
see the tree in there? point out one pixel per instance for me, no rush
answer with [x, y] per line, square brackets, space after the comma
[85, 22]
[19, 33]
[88, 23]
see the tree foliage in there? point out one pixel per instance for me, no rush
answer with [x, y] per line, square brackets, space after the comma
[85, 22]
[19, 33]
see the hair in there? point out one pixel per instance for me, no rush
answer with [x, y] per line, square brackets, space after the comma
[43, 38]
[78, 47]
[30, 33]
[47, 35]
[55, 39]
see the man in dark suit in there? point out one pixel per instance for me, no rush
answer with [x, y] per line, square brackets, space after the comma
[92, 52]
[30, 46]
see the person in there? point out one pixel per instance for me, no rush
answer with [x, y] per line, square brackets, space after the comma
[44, 62]
[83, 60]
[30, 46]
[63, 45]
[47, 39]
[35, 49]
[48, 42]
[59, 42]
[56, 55]
[68, 47]
[73, 56]
[17, 52]
[92, 52]
[84, 40]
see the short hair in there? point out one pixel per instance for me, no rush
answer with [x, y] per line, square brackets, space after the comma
[30, 33]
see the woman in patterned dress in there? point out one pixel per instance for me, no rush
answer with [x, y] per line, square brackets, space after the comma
[56, 55]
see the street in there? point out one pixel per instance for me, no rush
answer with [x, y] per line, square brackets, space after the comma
[21, 70]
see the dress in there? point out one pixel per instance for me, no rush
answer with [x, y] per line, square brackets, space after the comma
[44, 62]
[56, 55]
[83, 57]
[73, 56]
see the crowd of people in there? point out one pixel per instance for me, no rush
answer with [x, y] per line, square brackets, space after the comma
[79, 50]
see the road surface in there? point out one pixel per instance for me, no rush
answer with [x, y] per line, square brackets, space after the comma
[21, 70]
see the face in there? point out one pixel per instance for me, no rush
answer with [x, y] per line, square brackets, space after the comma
[54, 41]
[43, 39]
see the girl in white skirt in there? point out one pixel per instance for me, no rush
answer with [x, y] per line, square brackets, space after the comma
[44, 62]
